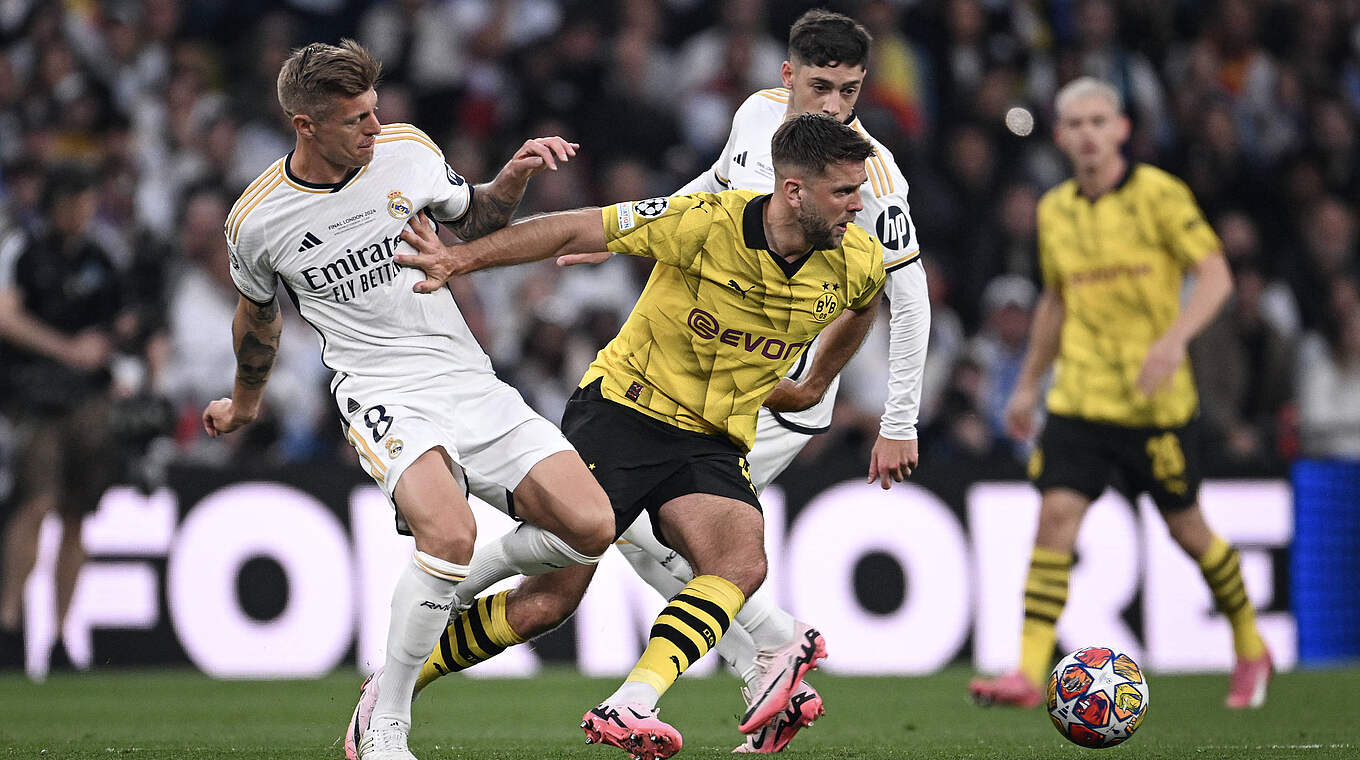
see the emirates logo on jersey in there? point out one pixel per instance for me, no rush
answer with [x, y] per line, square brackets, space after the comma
[398, 205]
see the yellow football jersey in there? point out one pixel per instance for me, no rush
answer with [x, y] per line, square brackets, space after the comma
[721, 318]
[1119, 262]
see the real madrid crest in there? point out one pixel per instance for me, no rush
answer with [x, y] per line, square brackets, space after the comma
[394, 447]
[398, 205]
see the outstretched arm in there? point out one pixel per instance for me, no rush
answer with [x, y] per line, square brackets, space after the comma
[494, 202]
[255, 332]
[895, 452]
[534, 239]
[839, 341]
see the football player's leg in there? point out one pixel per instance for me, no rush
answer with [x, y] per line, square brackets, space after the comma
[723, 540]
[1050, 569]
[1050, 572]
[494, 623]
[567, 517]
[1221, 566]
[431, 501]
[667, 572]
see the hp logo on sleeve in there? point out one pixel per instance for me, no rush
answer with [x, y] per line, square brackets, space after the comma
[893, 228]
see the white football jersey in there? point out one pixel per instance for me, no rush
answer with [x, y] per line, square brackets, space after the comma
[745, 163]
[332, 246]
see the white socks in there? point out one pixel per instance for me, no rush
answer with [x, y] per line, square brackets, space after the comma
[769, 625]
[420, 611]
[526, 550]
[635, 693]
[666, 580]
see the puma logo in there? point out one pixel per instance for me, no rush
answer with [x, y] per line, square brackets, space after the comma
[676, 662]
[733, 285]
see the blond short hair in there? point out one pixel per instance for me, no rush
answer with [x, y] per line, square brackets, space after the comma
[315, 76]
[1085, 86]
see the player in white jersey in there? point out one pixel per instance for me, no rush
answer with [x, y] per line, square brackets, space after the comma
[416, 394]
[824, 74]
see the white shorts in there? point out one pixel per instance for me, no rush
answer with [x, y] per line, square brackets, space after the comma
[775, 448]
[484, 426]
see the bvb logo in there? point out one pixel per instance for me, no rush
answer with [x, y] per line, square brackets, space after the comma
[398, 205]
[825, 308]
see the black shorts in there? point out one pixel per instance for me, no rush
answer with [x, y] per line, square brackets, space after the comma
[1086, 456]
[643, 462]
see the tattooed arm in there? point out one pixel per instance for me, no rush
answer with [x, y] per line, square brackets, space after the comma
[255, 332]
[493, 203]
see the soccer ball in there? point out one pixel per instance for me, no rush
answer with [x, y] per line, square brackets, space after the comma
[1097, 697]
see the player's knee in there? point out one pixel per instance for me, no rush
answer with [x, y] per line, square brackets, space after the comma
[591, 531]
[447, 540]
[1189, 530]
[749, 575]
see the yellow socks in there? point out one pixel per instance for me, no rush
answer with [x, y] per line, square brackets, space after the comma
[478, 633]
[1045, 597]
[688, 627]
[1222, 570]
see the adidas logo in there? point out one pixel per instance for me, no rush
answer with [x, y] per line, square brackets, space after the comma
[352, 406]
[308, 242]
[740, 158]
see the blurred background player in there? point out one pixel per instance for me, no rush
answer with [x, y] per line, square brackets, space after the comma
[665, 420]
[417, 394]
[1115, 243]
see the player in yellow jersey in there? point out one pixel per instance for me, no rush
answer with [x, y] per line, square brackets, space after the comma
[667, 411]
[1115, 242]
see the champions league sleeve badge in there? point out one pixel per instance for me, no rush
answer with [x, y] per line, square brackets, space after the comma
[652, 207]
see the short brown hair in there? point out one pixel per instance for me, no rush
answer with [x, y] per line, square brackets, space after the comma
[813, 141]
[316, 75]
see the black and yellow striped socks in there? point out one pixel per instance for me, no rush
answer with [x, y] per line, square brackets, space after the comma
[686, 629]
[478, 633]
[1222, 568]
[1045, 597]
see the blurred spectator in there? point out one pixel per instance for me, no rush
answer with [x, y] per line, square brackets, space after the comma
[998, 349]
[1099, 51]
[899, 83]
[60, 311]
[946, 344]
[722, 65]
[1329, 249]
[1329, 381]
[1244, 370]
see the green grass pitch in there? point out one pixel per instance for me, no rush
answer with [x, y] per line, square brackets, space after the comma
[146, 715]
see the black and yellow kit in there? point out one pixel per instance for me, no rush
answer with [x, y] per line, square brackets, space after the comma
[669, 406]
[1119, 262]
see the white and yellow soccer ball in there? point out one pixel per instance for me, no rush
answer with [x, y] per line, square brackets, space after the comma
[1097, 697]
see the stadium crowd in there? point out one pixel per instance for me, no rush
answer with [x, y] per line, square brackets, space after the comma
[128, 128]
